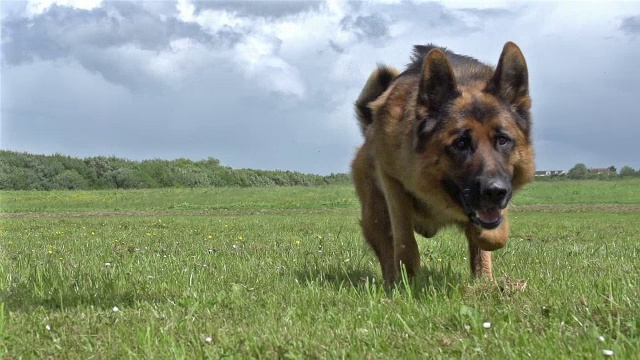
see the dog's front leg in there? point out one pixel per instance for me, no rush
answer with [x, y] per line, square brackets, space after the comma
[480, 262]
[405, 247]
[480, 239]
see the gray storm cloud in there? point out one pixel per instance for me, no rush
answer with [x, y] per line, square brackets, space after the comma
[261, 8]
[372, 27]
[97, 38]
[631, 25]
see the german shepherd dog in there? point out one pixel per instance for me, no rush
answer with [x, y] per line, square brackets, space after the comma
[447, 142]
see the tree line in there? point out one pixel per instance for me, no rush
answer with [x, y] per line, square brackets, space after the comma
[25, 171]
[580, 171]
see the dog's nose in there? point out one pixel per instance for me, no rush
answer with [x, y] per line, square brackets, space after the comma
[494, 190]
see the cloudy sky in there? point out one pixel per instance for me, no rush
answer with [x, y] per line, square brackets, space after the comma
[270, 85]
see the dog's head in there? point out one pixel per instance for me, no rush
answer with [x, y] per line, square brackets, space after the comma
[476, 131]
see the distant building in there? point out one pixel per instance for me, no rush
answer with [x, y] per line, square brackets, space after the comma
[599, 171]
[550, 172]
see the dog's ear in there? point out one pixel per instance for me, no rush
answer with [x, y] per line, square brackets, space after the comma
[510, 82]
[437, 84]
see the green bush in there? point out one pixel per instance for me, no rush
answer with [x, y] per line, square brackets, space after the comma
[125, 178]
[70, 180]
[24, 171]
[628, 171]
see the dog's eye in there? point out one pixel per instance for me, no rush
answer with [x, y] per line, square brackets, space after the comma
[503, 140]
[462, 144]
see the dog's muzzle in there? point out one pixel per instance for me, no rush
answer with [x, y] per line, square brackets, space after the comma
[484, 204]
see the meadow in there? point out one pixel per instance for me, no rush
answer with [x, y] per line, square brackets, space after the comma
[284, 273]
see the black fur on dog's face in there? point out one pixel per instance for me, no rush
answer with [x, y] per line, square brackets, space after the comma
[482, 184]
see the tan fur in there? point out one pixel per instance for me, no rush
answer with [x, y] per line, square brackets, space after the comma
[401, 189]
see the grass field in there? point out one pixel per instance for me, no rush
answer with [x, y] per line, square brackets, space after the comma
[283, 273]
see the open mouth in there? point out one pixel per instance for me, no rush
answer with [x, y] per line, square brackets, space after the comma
[487, 218]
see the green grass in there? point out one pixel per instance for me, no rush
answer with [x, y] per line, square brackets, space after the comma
[624, 191]
[179, 199]
[244, 199]
[283, 273]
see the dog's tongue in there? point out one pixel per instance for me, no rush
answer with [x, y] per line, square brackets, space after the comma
[489, 216]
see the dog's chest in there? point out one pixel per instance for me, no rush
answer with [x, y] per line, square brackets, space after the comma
[426, 222]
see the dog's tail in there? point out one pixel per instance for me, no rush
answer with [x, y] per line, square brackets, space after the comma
[378, 82]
